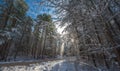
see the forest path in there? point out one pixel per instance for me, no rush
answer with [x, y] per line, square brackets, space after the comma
[72, 66]
[65, 66]
[52, 65]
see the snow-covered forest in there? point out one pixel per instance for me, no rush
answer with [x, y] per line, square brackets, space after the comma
[89, 41]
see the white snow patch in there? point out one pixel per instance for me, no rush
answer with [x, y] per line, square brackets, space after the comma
[44, 66]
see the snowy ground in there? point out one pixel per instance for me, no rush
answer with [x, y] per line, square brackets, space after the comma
[57, 65]
[43, 66]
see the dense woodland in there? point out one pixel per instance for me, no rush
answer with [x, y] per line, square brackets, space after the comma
[20, 35]
[92, 31]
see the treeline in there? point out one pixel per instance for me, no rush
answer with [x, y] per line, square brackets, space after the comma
[93, 29]
[24, 37]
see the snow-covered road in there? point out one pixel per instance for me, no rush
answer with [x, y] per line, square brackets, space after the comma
[59, 65]
[65, 66]
[72, 66]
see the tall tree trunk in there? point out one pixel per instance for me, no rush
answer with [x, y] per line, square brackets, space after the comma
[105, 60]
[93, 58]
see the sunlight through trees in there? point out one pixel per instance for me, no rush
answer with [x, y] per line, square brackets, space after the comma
[90, 31]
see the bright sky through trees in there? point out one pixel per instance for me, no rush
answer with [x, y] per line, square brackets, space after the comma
[35, 9]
